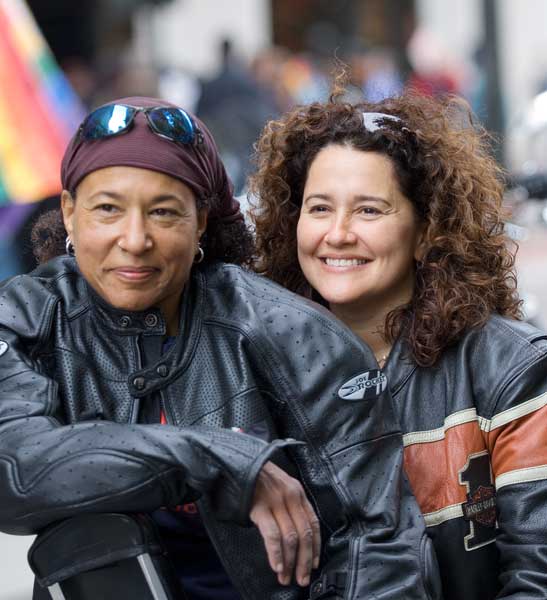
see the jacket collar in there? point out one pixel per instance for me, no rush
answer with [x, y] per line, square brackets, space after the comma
[126, 322]
[399, 366]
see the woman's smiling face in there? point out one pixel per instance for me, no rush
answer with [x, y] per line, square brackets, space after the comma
[135, 234]
[358, 236]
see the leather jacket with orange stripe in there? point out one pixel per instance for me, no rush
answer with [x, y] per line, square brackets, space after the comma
[78, 378]
[475, 436]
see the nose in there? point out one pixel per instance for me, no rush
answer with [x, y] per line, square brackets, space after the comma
[134, 237]
[340, 232]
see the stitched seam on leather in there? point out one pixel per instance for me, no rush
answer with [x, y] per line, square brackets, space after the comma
[516, 412]
[527, 367]
[107, 496]
[46, 470]
[518, 337]
[228, 401]
[369, 441]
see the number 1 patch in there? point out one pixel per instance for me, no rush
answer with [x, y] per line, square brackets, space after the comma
[480, 508]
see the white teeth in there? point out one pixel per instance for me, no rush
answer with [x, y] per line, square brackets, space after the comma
[344, 262]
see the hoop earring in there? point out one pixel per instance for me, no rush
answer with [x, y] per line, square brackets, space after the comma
[69, 246]
[200, 255]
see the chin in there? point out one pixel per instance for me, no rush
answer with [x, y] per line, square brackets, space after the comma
[130, 304]
[340, 297]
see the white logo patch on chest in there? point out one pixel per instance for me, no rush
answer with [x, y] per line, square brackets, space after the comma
[366, 385]
[3, 347]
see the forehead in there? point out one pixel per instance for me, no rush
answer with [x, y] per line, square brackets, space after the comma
[124, 181]
[337, 166]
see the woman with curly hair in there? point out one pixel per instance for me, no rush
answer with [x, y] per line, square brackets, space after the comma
[143, 370]
[390, 214]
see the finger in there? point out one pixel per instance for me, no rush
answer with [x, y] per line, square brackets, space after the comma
[305, 554]
[269, 530]
[297, 533]
[289, 541]
[316, 529]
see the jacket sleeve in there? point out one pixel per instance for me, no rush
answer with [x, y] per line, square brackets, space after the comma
[517, 440]
[339, 397]
[51, 471]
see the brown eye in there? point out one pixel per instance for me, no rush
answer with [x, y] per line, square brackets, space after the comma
[163, 212]
[107, 208]
[319, 209]
[370, 211]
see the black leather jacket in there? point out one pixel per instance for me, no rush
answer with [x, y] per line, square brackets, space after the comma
[76, 376]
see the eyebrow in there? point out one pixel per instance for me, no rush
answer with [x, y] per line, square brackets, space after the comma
[106, 193]
[360, 197]
[120, 197]
[166, 197]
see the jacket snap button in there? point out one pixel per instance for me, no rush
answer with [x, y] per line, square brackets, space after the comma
[125, 321]
[317, 587]
[162, 371]
[139, 383]
[151, 320]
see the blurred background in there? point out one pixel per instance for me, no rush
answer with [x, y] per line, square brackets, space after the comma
[238, 63]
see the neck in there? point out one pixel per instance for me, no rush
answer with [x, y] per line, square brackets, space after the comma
[366, 317]
[368, 325]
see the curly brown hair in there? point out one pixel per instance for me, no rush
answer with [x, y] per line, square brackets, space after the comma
[230, 242]
[443, 165]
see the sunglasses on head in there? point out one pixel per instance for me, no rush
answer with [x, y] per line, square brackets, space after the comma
[170, 123]
[373, 121]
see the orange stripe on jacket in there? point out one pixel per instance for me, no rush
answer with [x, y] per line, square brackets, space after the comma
[520, 444]
[433, 467]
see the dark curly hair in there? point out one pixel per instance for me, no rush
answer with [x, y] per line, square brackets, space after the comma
[443, 164]
[230, 242]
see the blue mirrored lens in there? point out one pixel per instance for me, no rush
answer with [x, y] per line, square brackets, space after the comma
[106, 121]
[172, 123]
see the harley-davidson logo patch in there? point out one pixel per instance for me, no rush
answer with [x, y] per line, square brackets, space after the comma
[481, 506]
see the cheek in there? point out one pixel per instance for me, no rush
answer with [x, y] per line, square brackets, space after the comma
[179, 248]
[397, 242]
[89, 234]
[308, 236]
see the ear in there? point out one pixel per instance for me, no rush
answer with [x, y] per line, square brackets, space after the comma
[67, 209]
[202, 221]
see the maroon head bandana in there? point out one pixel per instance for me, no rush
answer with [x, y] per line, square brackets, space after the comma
[198, 165]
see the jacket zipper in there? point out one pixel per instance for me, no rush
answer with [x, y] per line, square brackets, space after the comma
[353, 557]
[166, 410]
[209, 528]
[134, 416]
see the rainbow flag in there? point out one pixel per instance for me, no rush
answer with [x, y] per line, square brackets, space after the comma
[38, 109]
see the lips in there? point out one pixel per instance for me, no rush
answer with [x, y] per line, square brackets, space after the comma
[134, 273]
